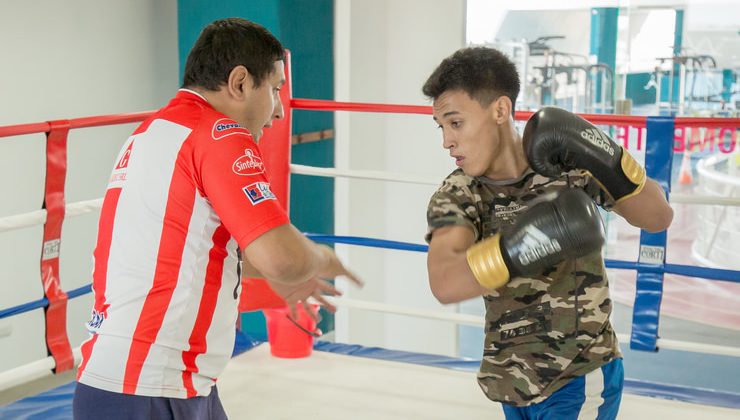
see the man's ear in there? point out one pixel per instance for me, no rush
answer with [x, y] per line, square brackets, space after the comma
[240, 82]
[501, 109]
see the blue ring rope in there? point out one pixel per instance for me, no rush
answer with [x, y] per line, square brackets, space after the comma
[680, 269]
[370, 242]
[42, 303]
[684, 270]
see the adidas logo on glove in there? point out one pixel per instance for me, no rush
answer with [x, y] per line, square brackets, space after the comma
[537, 245]
[598, 139]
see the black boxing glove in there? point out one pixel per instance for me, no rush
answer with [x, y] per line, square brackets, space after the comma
[557, 141]
[549, 232]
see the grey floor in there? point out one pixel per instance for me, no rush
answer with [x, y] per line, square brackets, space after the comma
[334, 386]
[256, 385]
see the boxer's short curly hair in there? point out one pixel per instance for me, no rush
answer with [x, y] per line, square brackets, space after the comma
[483, 73]
[227, 43]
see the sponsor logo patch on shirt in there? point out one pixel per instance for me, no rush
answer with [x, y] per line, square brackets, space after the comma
[119, 171]
[507, 214]
[258, 192]
[226, 127]
[96, 320]
[248, 164]
[123, 161]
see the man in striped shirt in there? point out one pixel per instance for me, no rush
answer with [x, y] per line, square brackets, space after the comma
[188, 192]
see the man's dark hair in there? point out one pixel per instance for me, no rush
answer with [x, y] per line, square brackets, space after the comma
[483, 73]
[227, 43]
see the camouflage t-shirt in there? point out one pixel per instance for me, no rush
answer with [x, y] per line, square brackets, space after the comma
[542, 331]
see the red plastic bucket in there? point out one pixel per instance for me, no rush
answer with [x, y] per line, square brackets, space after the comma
[287, 337]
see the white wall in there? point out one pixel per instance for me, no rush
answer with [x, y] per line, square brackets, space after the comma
[68, 59]
[384, 52]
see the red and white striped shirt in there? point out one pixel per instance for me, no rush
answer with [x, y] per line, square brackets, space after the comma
[187, 188]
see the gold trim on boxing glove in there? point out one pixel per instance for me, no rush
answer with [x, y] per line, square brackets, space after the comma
[487, 263]
[634, 172]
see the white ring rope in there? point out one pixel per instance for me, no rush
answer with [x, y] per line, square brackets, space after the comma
[32, 371]
[376, 175]
[479, 322]
[416, 179]
[38, 217]
[703, 199]
[462, 319]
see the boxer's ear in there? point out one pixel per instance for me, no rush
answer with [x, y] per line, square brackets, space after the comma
[501, 109]
[240, 82]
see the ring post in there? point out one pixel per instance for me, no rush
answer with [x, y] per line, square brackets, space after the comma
[649, 293]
